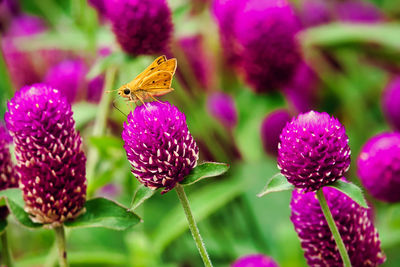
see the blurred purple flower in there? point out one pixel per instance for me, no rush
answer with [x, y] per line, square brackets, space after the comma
[315, 12]
[21, 66]
[354, 224]
[313, 151]
[100, 6]
[391, 102]
[141, 26]
[302, 89]
[224, 12]
[269, 52]
[255, 260]
[8, 10]
[110, 191]
[69, 77]
[379, 166]
[271, 129]
[95, 89]
[51, 162]
[198, 60]
[222, 107]
[159, 145]
[8, 176]
[358, 11]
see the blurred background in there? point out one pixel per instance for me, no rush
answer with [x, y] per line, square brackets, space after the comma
[239, 80]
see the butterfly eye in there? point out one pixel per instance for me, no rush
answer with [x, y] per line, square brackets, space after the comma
[127, 91]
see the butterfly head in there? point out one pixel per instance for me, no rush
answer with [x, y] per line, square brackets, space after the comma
[124, 91]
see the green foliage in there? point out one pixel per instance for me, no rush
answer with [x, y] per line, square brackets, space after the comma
[277, 183]
[351, 190]
[205, 170]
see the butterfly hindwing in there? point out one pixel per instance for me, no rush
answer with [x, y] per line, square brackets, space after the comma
[157, 80]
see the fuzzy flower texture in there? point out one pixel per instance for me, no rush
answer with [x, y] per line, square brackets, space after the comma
[159, 145]
[51, 162]
[354, 223]
[8, 177]
[313, 151]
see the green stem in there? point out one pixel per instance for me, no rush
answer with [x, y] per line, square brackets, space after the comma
[192, 225]
[333, 228]
[99, 128]
[6, 252]
[62, 249]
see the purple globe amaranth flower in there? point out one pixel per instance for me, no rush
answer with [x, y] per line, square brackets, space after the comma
[315, 12]
[223, 108]
[354, 223]
[100, 6]
[224, 12]
[379, 166]
[271, 129]
[8, 10]
[69, 77]
[358, 11]
[198, 60]
[8, 176]
[51, 162]
[302, 88]
[141, 26]
[159, 145]
[313, 151]
[255, 260]
[391, 103]
[269, 53]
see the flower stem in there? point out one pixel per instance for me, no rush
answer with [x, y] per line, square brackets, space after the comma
[333, 228]
[192, 225]
[98, 129]
[6, 252]
[62, 249]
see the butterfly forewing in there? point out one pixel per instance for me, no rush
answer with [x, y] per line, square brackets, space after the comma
[157, 80]
[147, 71]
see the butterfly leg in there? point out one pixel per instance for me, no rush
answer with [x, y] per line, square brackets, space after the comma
[155, 99]
[141, 100]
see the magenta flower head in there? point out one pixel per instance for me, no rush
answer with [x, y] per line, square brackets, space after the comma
[69, 77]
[8, 176]
[354, 223]
[51, 162]
[379, 166]
[198, 59]
[255, 260]
[141, 26]
[8, 10]
[222, 107]
[159, 145]
[358, 11]
[313, 151]
[224, 12]
[271, 129]
[391, 103]
[266, 32]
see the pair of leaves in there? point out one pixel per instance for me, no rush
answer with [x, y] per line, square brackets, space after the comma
[279, 183]
[202, 171]
[100, 212]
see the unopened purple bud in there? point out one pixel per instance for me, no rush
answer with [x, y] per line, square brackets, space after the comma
[391, 103]
[141, 26]
[223, 108]
[313, 151]
[358, 11]
[255, 260]
[69, 77]
[51, 162]
[271, 129]
[269, 52]
[354, 223]
[159, 145]
[379, 166]
[8, 176]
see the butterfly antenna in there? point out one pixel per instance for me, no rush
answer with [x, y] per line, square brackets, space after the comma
[113, 103]
[109, 91]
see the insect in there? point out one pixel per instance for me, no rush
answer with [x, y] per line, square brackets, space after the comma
[154, 81]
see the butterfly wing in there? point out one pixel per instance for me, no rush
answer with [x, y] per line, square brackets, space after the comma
[160, 80]
[151, 68]
[169, 65]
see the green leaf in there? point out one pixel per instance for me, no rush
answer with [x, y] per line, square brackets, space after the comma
[83, 113]
[142, 193]
[351, 190]
[102, 212]
[15, 203]
[277, 183]
[102, 64]
[205, 170]
[3, 225]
